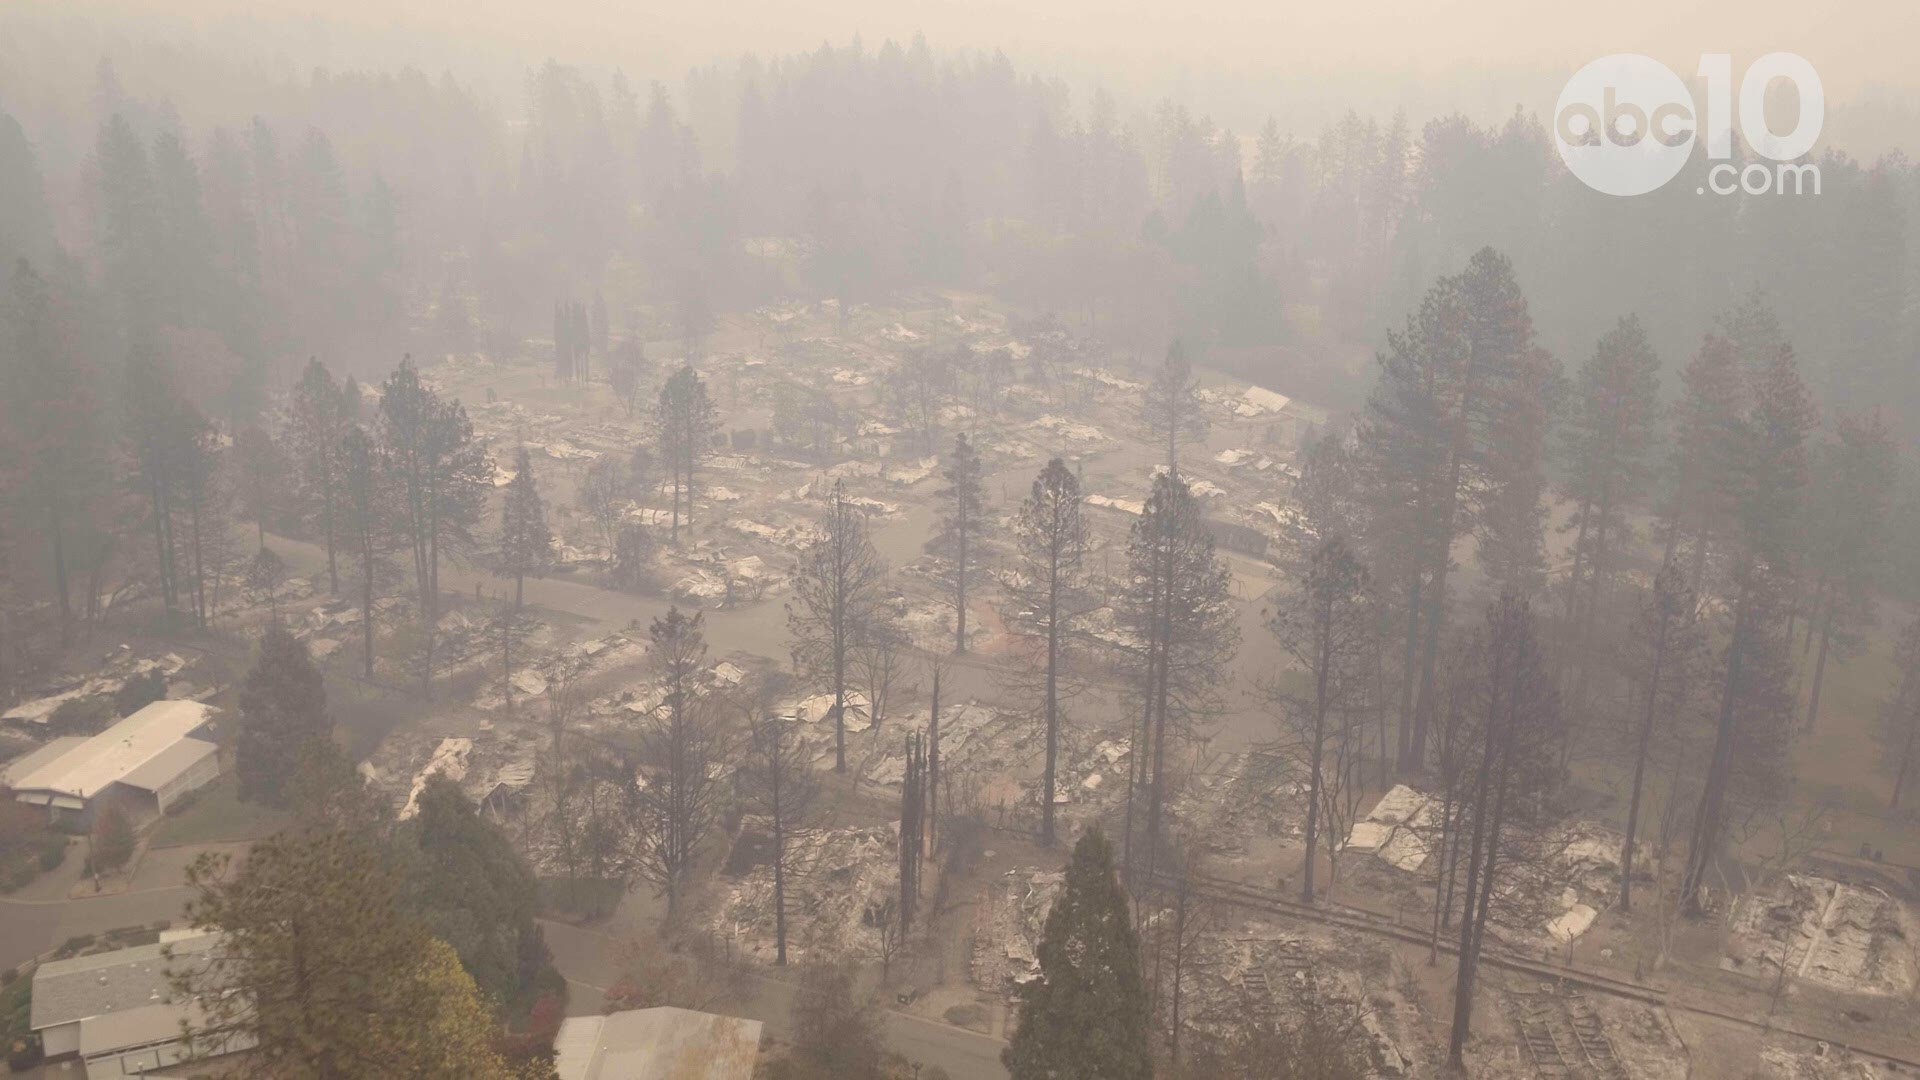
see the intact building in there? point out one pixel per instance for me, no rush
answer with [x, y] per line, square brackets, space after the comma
[115, 1011]
[146, 762]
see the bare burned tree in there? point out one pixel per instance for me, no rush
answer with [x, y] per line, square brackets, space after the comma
[837, 597]
[878, 660]
[1046, 593]
[678, 749]
[779, 783]
[1327, 626]
[603, 500]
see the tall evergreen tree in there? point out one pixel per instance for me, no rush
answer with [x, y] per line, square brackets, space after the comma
[1047, 593]
[1170, 408]
[526, 544]
[684, 419]
[59, 470]
[1327, 627]
[473, 890]
[679, 749]
[283, 705]
[1454, 430]
[442, 476]
[1612, 427]
[1086, 1016]
[963, 499]
[370, 509]
[319, 972]
[1177, 603]
[316, 427]
[1900, 716]
[1748, 762]
[1849, 503]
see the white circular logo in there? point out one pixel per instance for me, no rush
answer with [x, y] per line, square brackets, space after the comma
[1624, 124]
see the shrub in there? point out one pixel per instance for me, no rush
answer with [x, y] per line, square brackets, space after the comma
[138, 692]
[112, 840]
[83, 716]
[25, 1053]
[53, 852]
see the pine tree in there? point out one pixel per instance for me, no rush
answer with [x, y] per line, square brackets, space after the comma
[781, 785]
[1086, 1016]
[1706, 424]
[1611, 430]
[316, 429]
[1047, 592]
[442, 476]
[369, 507]
[319, 971]
[283, 704]
[1454, 432]
[679, 748]
[1849, 504]
[1327, 627]
[964, 506]
[1769, 458]
[1177, 603]
[1900, 716]
[683, 424]
[1668, 657]
[1169, 407]
[526, 544]
[59, 469]
[1515, 725]
[473, 890]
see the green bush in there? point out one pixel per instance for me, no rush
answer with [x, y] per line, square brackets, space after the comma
[53, 852]
[25, 1053]
[113, 840]
[138, 692]
[83, 716]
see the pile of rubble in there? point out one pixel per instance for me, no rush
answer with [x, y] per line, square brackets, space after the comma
[534, 677]
[1841, 936]
[838, 882]
[1553, 899]
[1008, 923]
[119, 666]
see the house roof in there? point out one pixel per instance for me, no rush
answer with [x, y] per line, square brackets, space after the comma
[27, 763]
[162, 768]
[111, 982]
[657, 1044]
[114, 754]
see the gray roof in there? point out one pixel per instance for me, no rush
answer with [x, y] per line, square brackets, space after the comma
[85, 770]
[166, 766]
[68, 990]
[32, 760]
[657, 1044]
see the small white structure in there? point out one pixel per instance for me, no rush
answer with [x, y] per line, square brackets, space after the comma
[154, 756]
[656, 1044]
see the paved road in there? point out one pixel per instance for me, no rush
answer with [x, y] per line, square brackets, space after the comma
[585, 957]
